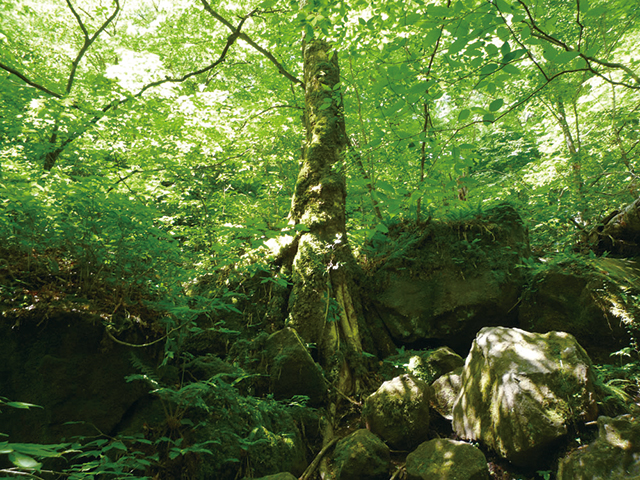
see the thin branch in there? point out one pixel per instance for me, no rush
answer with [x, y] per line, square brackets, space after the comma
[519, 42]
[28, 81]
[246, 38]
[579, 23]
[267, 110]
[114, 104]
[88, 41]
[539, 33]
[308, 473]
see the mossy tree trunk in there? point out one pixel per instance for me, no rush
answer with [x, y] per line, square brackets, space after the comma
[322, 306]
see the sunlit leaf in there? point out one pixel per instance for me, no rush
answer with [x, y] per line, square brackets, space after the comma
[24, 461]
[496, 105]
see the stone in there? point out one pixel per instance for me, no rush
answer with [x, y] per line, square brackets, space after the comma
[431, 364]
[445, 459]
[587, 303]
[399, 412]
[279, 476]
[444, 281]
[614, 455]
[445, 392]
[361, 456]
[520, 390]
[66, 365]
[292, 370]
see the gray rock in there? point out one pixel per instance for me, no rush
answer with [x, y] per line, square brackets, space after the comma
[447, 280]
[399, 412]
[292, 370]
[614, 455]
[279, 476]
[520, 390]
[584, 304]
[430, 364]
[445, 392]
[444, 459]
[361, 456]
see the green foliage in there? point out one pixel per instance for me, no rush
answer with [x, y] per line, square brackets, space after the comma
[619, 383]
[76, 232]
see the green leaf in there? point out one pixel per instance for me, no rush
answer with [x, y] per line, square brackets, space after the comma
[487, 69]
[549, 53]
[458, 45]
[511, 69]
[5, 448]
[464, 114]
[382, 228]
[496, 105]
[565, 57]
[21, 405]
[431, 38]
[268, 3]
[488, 118]
[503, 6]
[23, 461]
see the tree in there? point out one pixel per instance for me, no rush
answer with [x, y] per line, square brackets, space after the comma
[323, 307]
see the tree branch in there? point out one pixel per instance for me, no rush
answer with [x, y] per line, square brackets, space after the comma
[53, 156]
[88, 41]
[539, 33]
[246, 38]
[28, 81]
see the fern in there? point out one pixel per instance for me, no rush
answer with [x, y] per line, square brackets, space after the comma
[147, 374]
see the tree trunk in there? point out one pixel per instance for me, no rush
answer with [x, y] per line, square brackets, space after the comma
[573, 149]
[322, 307]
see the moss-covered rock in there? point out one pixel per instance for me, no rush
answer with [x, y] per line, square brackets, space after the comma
[279, 476]
[614, 455]
[446, 459]
[361, 456]
[292, 370]
[66, 364]
[445, 392]
[521, 390]
[587, 302]
[399, 412]
[444, 281]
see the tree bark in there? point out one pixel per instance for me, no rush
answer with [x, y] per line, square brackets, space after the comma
[322, 306]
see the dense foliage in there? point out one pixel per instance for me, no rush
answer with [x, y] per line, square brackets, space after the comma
[147, 144]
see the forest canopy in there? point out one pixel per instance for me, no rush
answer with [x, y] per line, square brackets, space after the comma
[146, 136]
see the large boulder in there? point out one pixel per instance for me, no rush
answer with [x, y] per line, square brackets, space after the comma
[446, 459]
[586, 301]
[521, 390]
[444, 281]
[66, 364]
[399, 412]
[361, 456]
[614, 455]
[292, 370]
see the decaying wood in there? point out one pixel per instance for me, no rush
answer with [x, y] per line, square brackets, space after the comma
[618, 233]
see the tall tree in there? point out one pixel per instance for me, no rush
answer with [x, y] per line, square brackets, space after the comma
[323, 306]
